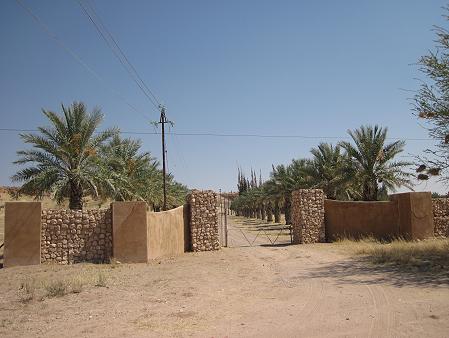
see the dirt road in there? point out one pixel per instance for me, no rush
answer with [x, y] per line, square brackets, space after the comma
[281, 291]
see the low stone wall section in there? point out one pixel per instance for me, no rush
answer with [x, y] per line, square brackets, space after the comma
[203, 219]
[72, 236]
[308, 216]
[440, 208]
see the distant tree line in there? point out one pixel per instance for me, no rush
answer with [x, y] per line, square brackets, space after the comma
[362, 170]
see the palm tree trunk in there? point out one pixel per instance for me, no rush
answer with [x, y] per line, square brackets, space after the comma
[370, 190]
[269, 213]
[287, 210]
[277, 212]
[262, 212]
[76, 197]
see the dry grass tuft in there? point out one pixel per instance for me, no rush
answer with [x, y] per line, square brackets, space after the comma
[114, 263]
[76, 285]
[50, 287]
[57, 288]
[101, 279]
[428, 255]
[27, 290]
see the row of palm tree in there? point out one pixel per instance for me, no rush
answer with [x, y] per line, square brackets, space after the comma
[364, 169]
[72, 160]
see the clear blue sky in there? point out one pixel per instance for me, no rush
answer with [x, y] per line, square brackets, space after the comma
[313, 68]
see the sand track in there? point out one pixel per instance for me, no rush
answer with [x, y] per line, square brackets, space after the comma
[260, 291]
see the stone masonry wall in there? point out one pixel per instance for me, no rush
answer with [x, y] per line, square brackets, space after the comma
[308, 216]
[71, 236]
[440, 208]
[203, 220]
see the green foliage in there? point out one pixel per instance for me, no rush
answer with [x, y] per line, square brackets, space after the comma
[437, 195]
[432, 105]
[331, 171]
[134, 175]
[71, 159]
[372, 161]
[64, 156]
[362, 170]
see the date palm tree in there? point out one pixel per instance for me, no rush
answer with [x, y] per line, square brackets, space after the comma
[127, 170]
[64, 161]
[373, 161]
[131, 174]
[331, 171]
[288, 178]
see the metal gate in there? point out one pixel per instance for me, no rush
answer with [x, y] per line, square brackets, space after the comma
[235, 231]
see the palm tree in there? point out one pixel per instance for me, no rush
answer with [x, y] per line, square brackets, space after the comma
[64, 161]
[134, 175]
[330, 170]
[274, 197]
[373, 163]
[127, 170]
[286, 179]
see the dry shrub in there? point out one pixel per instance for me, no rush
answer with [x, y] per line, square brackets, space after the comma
[4, 323]
[76, 285]
[101, 279]
[27, 290]
[360, 246]
[57, 288]
[427, 254]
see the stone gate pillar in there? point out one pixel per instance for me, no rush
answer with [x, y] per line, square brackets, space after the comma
[308, 216]
[203, 219]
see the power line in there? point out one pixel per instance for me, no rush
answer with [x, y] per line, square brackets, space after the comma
[231, 135]
[124, 55]
[118, 52]
[47, 30]
[131, 70]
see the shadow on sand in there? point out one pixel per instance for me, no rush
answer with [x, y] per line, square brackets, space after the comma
[276, 245]
[363, 271]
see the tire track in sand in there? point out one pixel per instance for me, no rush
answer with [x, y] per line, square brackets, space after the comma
[382, 323]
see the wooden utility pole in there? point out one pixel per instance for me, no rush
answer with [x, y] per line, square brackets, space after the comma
[162, 121]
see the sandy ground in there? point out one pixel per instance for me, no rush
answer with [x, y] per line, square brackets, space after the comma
[264, 291]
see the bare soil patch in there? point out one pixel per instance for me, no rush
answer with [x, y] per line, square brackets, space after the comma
[303, 290]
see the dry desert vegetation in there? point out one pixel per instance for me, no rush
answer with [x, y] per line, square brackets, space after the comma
[348, 288]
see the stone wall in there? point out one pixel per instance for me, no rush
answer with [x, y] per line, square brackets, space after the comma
[308, 216]
[440, 208]
[203, 219]
[70, 236]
